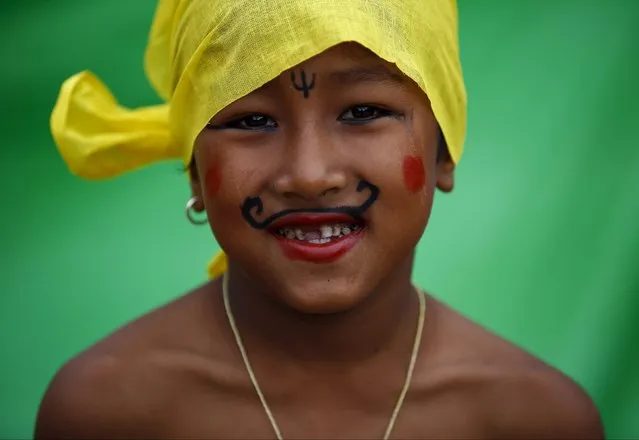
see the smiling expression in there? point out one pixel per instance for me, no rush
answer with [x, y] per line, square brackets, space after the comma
[320, 184]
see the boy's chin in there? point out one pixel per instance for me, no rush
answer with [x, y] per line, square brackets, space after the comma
[322, 297]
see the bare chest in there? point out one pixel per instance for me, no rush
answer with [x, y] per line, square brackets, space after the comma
[198, 414]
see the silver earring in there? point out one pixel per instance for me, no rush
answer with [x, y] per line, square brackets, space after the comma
[189, 212]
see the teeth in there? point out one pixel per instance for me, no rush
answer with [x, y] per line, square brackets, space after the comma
[322, 235]
[320, 240]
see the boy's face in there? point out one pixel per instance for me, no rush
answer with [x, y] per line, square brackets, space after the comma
[320, 184]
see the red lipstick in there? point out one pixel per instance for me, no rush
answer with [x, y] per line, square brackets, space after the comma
[317, 237]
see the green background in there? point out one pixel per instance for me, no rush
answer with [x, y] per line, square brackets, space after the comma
[539, 241]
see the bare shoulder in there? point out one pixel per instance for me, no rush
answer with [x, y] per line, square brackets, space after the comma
[94, 396]
[541, 403]
[512, 393]
[122, 386]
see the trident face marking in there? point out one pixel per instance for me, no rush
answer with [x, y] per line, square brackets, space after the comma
[304, 87]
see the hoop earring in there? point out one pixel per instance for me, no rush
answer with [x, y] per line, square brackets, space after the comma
[189, 212]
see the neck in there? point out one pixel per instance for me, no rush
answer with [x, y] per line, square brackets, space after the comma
[387, 316]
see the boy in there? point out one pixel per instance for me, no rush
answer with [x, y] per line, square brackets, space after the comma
[316, 134]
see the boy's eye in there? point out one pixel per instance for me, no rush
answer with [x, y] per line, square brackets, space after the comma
[256, 121]
[363, 113]
[251, 122]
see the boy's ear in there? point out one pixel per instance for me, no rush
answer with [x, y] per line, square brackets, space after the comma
[196, 187]
[445, 174]
[445, 167]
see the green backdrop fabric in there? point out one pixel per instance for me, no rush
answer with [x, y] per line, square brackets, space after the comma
[539, 242]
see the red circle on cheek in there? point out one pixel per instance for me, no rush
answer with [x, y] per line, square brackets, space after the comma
[213, 180]
[414, 174]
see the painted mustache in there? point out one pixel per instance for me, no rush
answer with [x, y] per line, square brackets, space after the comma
[254, 204]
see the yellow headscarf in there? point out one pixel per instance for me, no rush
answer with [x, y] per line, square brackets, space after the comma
[203, 55]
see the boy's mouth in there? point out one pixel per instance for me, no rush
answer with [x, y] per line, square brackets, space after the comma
[323, 234]
[315, 237]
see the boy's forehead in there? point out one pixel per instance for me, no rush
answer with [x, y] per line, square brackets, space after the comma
[343, 55]
[346, 64]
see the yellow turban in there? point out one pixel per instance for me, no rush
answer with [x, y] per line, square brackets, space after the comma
[203, 55]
